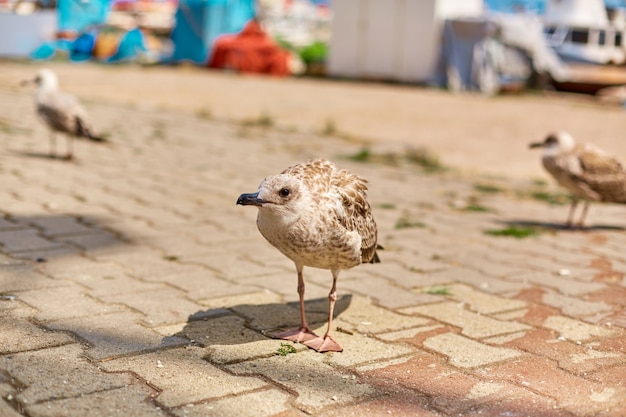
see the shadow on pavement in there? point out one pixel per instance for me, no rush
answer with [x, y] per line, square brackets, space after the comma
[246, 323]
[47, 236]
[562, 226]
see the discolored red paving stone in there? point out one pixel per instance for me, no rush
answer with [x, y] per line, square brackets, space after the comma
[578, 359]
[613, 295]
[572, 393]
[452, 391]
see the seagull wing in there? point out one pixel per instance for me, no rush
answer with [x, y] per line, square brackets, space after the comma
[357, 217]
[603, 173]
[62, 112]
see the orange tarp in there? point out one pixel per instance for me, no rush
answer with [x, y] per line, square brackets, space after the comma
[251, 50]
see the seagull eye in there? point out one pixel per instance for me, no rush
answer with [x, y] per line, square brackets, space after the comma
[284, 192]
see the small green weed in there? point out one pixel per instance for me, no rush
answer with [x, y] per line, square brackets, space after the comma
[285, 349]
[518, 232]
[425, 159]
[363, 155]
[263, 120]
[477, 208]
[170, 258]
[387, 206]
[438, 291]
[406, 223]
[487, 188]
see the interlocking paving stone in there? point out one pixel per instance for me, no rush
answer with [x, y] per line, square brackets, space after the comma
[58, 372]
[318, 385]
[265, 403]
[18, 334]
[540, 376]
[183, 376]
[576, 330]
[53, 303]
[115, 334]
[22, 276]
[137, 250]
[25, 240]
[160, 306]
[467, 353]
[129, 400]
[471, 324]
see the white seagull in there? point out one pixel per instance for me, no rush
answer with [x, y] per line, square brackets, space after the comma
[60, 111]
[317, 215]
[588, 172]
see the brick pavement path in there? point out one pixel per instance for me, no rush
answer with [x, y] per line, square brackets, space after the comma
[131, 284]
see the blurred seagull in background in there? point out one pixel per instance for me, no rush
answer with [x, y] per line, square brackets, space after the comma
[588, 172]
[317, 215]
[60, 111]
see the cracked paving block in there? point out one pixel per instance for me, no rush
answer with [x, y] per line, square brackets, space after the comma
[115, 334]
[130, 400]
[183, 376]
[452, 390]
[576, 330]
[58, 372]
[578, 359]
[472, 324]
[317, 384]
[265, 403]
[541, 376]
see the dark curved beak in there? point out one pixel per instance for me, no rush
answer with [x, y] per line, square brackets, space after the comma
[537, 145]
[251, 199]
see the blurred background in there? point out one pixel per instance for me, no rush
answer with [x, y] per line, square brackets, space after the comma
[490, 46]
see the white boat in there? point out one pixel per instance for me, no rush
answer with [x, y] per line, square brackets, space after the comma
[584, 31]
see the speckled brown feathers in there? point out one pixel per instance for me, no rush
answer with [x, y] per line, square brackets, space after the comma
[323, 178]
[588, 172]
[317, 215]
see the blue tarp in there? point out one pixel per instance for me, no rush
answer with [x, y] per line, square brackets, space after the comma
[200, 22]
[131, 44]
[76, 15]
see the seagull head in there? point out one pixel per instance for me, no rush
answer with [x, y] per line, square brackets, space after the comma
[45, 79]
[556, 143]
[280, 194]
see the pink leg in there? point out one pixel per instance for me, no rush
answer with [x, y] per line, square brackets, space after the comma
[581, 222]
[327, 343]
[572, 209]
[304, 332]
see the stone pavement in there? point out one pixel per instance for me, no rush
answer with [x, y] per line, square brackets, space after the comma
[131, 284]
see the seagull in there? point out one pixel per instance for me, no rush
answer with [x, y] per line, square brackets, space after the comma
[60, 111]
[588, 172]
[318, 216]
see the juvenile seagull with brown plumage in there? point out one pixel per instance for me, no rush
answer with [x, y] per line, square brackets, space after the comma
[317, 215]
[588, 172]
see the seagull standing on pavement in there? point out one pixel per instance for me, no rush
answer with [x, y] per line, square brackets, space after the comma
[588, 172]
[318, 216]
[61, 112]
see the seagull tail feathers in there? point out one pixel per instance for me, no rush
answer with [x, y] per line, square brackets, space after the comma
[85, 132]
